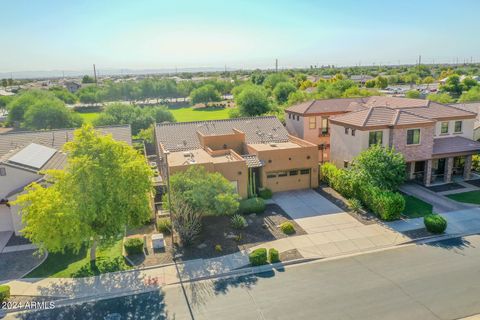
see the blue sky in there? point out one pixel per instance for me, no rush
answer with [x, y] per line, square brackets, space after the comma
[140, 34]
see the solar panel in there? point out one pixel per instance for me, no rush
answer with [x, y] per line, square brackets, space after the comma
[34, 156]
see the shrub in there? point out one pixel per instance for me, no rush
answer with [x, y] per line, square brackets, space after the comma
[164, 225]
[265, 193]
[133, 246]
[252, 205]
[435, 223]
[273, 255]
[4, 293]
[327, 171]
[258, 257]
[355, 204]
[218, 248]
[238, 222]
[287, 227]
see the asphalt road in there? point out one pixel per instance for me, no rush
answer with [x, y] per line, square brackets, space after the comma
[432, 281]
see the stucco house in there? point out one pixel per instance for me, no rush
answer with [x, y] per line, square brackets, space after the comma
[475, 108]
[23, 157]
[435, 139]
[240, 149]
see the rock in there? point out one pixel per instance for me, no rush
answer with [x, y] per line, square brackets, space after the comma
[202, 246]
[274, 213]
[250, 221]
[264, 226]
[231, 236]
[252, 215]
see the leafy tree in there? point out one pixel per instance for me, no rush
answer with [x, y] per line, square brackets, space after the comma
[282, 91]
[205, 94]
[441, 98]
[90, 94]
[382, 167]
[64, 95]
[358, 92]
[19, 105]
[252, 101]
[4, 101]
[258, 77]
[370, 83]
[428, 80]
[273, 79]
[50, 114]
[105, 187]
[204, 192]
[469, 83]
[453, 86]
[471, 95]
[185, 88]
[381, 82]
[88, 79]
[413, 94]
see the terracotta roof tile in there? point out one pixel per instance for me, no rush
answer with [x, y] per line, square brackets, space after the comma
[454, 145]
[327, 105]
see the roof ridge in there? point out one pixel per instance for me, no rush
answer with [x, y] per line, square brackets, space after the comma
[370, 110]
[396, 117]
[310, 105]
[217, 120]
[454, 107]
[414, 114]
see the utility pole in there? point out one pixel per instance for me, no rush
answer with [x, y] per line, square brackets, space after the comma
[276, 65]
[419, 59]
[95, 73]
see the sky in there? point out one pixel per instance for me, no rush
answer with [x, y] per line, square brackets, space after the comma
[157, 34]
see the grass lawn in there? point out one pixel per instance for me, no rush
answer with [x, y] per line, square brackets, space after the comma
[89, 117]
[468, 197]
[416, 208]
[71, 265]
[199, 114]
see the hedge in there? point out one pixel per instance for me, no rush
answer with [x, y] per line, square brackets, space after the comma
[273, 255]
[133, 246]
[265, 193]
[252, 205]
[435, 223]
[258, 257]
[4, 293]
[287, 227]
[387, 205]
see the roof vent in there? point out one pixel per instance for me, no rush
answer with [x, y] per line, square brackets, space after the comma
[186, 154]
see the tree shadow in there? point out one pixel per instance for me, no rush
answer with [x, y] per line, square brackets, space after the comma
[455, 244]
[150, 305]
[222, 286]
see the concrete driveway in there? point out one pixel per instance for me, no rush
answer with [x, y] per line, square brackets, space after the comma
[313, 212]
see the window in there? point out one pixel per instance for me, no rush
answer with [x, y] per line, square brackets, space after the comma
[3, 171]
[298, 118]
[289, 116]
[305, 171]
[353, 132]
[271, 175]
[346, 130]
[282, 174]
[312, 122]
[458, 126]
[345, 164]
[293, 172]
[324, 125]
[444, 128]
[375, 137]
[413, 136]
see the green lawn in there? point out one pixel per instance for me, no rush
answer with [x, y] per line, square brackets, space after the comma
[89, 117]
[416, 208]
[468, 197]
[71, 265]
[199, 114]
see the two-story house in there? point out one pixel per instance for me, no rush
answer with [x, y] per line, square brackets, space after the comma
[435, 139]
[310, 120]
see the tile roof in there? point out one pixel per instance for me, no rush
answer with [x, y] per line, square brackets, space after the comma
[183, 135]
[328, 105]
[252, 161]
[55, 138]
[454, 145]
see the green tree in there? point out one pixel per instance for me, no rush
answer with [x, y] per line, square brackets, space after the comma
[441, 98]
[380, 166]
[413, 94]
[258, 77]
[453, 86]
[273, 79]
[204, 192]
[50, 114]
[282, 91]
[88, 79]
[105, 187]
[205, 94]
[252, 101]
[428, 80]
[64, 95]
[19, 105]
[469, 83]
[90, 94]
[471, 95]
[381, 82]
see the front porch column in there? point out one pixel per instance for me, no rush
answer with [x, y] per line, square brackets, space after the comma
[411, 170]
[468, 167]
[448, 170]
[427, 178]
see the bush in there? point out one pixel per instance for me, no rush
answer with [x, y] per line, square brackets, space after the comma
[4, 293]
[355, 204]
[238, 222]
[258, 257]
[252, 205]
[265, 193]
[287, 227]
[273, 255]
[435, 223]
[218, 248]
[164, 225]
[133, 246]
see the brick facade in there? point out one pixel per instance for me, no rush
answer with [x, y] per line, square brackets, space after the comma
[422, 151]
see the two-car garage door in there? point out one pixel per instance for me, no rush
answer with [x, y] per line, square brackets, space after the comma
[288, 180]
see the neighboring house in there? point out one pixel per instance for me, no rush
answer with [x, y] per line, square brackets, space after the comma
[435, 139]
[310, 120]
[23, 155]
[361, 78]
[245, 151]
[72, 86]
[472, 107]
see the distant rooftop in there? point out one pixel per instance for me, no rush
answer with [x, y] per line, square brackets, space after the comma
[34, 156]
